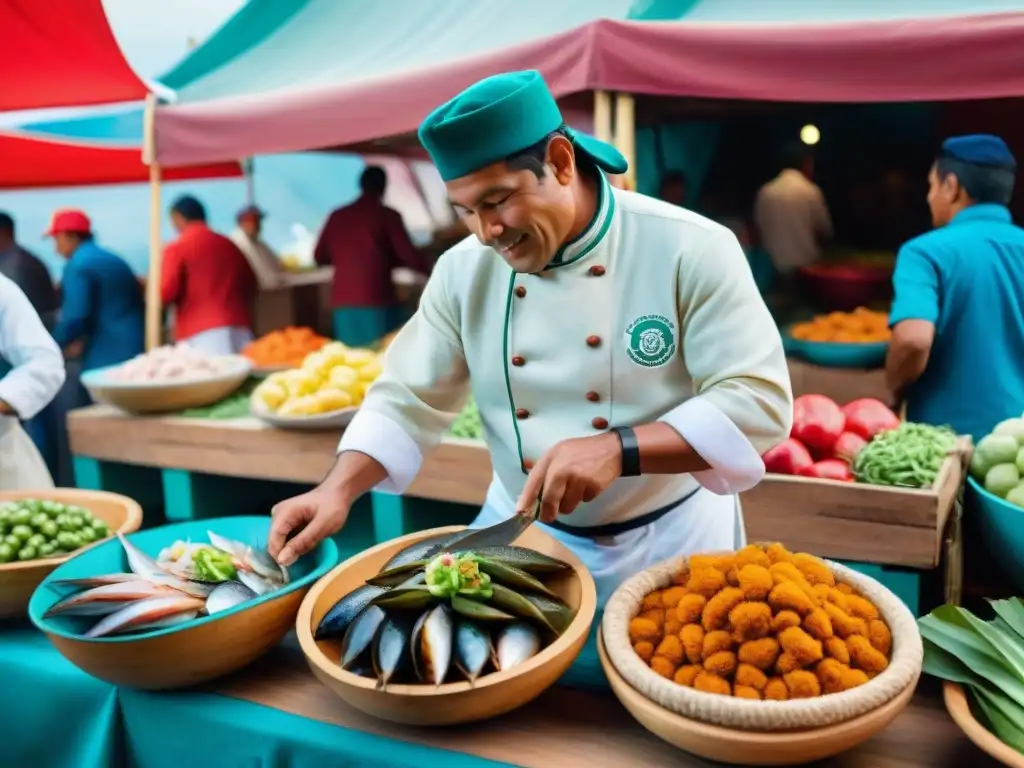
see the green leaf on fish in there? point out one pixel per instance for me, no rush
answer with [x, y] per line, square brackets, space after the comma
[512, 577]
[524, 559]
[512, 602]
[405, 599]
[472, 609]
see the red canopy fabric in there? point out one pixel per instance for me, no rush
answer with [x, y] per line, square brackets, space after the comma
[926, 59]
[61, 53]
[31, 162]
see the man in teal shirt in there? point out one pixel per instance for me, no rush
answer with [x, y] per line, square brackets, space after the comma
[957, 352]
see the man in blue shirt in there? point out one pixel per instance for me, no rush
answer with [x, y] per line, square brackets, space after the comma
[957, 351]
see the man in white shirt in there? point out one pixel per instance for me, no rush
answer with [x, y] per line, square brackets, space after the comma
[791, 215]
[265, 264]
[31, 374]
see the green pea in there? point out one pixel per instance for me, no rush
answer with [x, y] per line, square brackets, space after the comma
[67, 540]
[86, 535]
[36, 541]
[46, 549]
[12, 541]
[21, 517]
[52, 507]
[22, 533]
[28, 553]
[34, 506]
[49, 529]
[75, 522]
[97, 533]
[7, 553]
[5, 513]
[39, 520]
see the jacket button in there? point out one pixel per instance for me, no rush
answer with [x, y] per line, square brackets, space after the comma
[597, 270]
[522, 413]
[518, 361]
[527, 464]
[520, 291]
[593, 341]
[593, 397]
[599, 423]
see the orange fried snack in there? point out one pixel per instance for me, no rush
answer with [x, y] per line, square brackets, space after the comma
[687, 674]
[785, 619]
[692, 637]
[749, 675]
[762, 653]
[663, 667]
[818, 625]
[722, 663]
[716, 642]
[880, 636]
[645, 650]
[671, 647]
[750, 621]
[706, 582]
[716, 612]
[802, 684]
[690, 608]
[746, 692]
[787, 596]
[835, 648]
[709, 683]
[801, 646]
[755, 582]
[776, 690]
[643, 629]
[865, 656]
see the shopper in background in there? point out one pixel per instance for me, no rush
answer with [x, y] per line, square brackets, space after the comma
[248, 237]
[28, 273]
[364, 241]
[209, 282]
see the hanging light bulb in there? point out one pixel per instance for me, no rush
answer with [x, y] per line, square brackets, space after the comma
[810, 134]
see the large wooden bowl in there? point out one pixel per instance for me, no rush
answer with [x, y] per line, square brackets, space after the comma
[452, 703]
[959, 709]
[738, 747]
[166, 396]
[191, 653]
[19, 580]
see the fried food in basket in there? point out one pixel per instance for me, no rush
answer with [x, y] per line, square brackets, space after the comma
[762, 623]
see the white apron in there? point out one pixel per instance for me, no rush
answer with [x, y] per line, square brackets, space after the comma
[706, 522]
[21, 465]
[228, 340]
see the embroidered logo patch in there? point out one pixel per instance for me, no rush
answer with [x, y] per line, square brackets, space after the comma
[650, 340]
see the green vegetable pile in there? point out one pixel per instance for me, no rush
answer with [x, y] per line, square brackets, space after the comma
[909, 456]
[31, 529]
[213, 565]
[448, 575]
[998, 461]
[986, 657]
[467, 424]
[234, 406]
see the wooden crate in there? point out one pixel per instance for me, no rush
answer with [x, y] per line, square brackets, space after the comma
[850, 521]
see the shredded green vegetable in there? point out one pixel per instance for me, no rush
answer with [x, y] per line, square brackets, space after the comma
[909, 456]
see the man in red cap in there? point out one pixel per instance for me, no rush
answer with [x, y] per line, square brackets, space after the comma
[267, 267]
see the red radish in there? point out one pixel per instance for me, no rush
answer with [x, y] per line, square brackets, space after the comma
[848, 446]
[829, 469]
[787, 458]
[817, 422]
[867, 417]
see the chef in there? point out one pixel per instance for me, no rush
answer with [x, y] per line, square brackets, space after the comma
[626, 369]
[35, 373]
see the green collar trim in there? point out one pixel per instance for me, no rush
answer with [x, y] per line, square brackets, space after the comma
[580, 246]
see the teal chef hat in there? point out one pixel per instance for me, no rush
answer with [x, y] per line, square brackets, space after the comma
[498, 117]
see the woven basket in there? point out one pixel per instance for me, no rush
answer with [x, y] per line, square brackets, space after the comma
[904, 666]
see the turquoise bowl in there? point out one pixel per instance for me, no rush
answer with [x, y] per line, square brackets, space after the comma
[1002, 528]
[833, 354]
[191, 653]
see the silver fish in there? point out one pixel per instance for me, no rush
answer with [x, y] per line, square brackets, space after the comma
[432, 640]
[257, 560]
[359, 634]
[143, 612]
[227, 595]
[516, 643]
[234, 548]
[473, 649]
[255, 582]
[390, 652]
[107, 599]
[170, 621]
[345, 611]
[93, 581]
[140, 563]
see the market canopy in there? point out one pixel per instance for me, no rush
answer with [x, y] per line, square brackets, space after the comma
[61, 53]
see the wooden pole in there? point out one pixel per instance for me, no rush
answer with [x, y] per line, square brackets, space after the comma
[625, 133]
[603, 116]
[154, 313]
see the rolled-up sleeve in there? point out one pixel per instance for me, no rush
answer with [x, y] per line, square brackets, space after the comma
[425, 380]
[743, 401]
[37, 372]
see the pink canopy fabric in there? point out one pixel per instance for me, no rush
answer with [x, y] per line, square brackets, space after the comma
[929, 59]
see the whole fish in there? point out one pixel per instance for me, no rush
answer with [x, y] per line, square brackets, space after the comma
[473, 649]
[512, 577]
[255, 582]
[516, 643]
[413, 598]
[524, 559]
[251, 559]
[143, 612]
[359, 634]
[432, 640]
[510, 601]
[394, 576]
[342, 613]
[424, 549]
[140, 563]
[227, 595]
[170, 621]
[558, 614]
[390, 652]
[93, 581]
[100, 601]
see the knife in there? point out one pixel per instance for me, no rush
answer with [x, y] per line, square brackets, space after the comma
[502, 534]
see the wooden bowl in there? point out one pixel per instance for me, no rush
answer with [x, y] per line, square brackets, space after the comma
[166, 396]
[19, 580]
[452, 703]
[959, 708]
[191, 653]
[738, 747]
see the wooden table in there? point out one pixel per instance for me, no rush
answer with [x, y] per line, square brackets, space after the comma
[573, 728]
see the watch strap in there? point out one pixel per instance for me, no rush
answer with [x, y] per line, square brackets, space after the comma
[630, 451]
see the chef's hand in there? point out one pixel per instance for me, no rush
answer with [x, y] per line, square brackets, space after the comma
[573, 471]
[309, 519]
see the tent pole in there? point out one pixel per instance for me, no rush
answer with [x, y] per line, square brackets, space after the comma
[249, 167]
[625, 133]
[603, 116]
[154, 314]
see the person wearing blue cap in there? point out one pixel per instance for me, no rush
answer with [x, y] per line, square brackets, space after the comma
[628, 374]
[958, 313]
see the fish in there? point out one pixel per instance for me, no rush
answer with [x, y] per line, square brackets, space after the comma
[343, 612]
[143, 612]
[473, 649]
[140, 563]
[473, 609]
[516, 643]
[359, 634]
[170, 621]
[100, 601]
[400, 598]
[396, 575]
[511, 576]
[558, 614]
[524, 559]
[227, 595]
[255, 582]
[512, 602]
[248, 558]
[390, 650]
[431, 644]
[93, 581]
[424, 549]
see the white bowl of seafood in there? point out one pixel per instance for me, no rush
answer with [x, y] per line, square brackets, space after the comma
[166, 379]
[417, 631]
[133, 610]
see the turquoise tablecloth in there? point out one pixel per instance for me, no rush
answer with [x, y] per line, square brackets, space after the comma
[53, 715]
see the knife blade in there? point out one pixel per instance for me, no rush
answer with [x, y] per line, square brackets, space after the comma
[502, 534]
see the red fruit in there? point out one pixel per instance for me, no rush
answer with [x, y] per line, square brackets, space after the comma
[787, 458]
[829, 469]
[848, 446]
[817, 422]
[867, 417]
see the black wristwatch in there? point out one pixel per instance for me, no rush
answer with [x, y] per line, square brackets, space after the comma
[630, 451]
